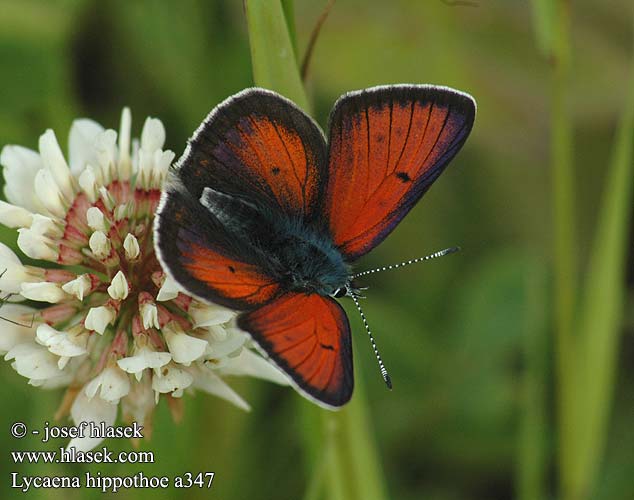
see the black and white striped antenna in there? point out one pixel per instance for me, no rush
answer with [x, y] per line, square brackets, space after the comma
[353, 294]
[384, 373]
[435, 255]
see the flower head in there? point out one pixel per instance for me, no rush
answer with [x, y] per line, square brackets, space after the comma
[113, 329]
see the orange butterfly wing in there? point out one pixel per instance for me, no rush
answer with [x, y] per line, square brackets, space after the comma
[260, 145]
[198, 253]
[256, 152]
[308, 337]
[238, 281]
[387, 146]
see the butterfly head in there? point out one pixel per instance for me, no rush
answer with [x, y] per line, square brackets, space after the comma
[348, 290]
[339, 292]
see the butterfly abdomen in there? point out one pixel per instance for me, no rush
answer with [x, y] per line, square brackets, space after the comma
[237, 215]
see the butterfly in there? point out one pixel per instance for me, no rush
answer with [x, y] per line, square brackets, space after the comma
[265, 215]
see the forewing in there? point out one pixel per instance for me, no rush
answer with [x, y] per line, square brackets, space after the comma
[308, 337]
[387, 146]
[260, 146]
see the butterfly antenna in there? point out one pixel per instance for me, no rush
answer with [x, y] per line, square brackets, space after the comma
[384, 373]
[440, 253]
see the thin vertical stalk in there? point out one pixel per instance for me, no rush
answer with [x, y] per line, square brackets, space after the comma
[354, 455]
[565, 248]
[532, 460]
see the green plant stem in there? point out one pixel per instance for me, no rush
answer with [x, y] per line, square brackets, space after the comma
[354, 470]
[532, 464]
[317, 482]
[272, 53]
[565, 249]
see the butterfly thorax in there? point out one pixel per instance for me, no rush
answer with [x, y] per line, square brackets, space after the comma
[308, 260]
[299, 254]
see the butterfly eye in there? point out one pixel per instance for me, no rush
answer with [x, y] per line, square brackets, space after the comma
[339, 292]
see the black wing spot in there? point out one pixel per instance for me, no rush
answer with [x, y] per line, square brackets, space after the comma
[327, 346]
[380, 138]
[403, 176]
[275, 170]
[232, 269]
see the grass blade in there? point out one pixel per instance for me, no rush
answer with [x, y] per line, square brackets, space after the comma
[272, 53]
[532, 459]
[604, 297]
[288, 6]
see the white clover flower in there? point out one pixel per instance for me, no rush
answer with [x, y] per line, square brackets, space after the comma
[34, 361]
[14, 274]
[87, 409]
[169, 289]
[184, 348]
[112, 383]
[139, 403]
[98, 318]
[144, 356]
[113, 328]
[172, 379]
[205, 379]
[18, 331]
[64, 344]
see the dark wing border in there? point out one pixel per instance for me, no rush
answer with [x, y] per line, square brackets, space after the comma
[261, 102]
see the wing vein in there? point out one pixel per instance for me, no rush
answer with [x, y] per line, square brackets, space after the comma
[442, 129]
[422, 139]
[309, 354]
[389, 137]
[367, 161]
[409, 128]
[293, 166]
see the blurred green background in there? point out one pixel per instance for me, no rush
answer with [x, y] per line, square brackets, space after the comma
[470, 339]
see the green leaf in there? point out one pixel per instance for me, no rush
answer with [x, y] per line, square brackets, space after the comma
[289, 14]
[272, 53]
[604, 296]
